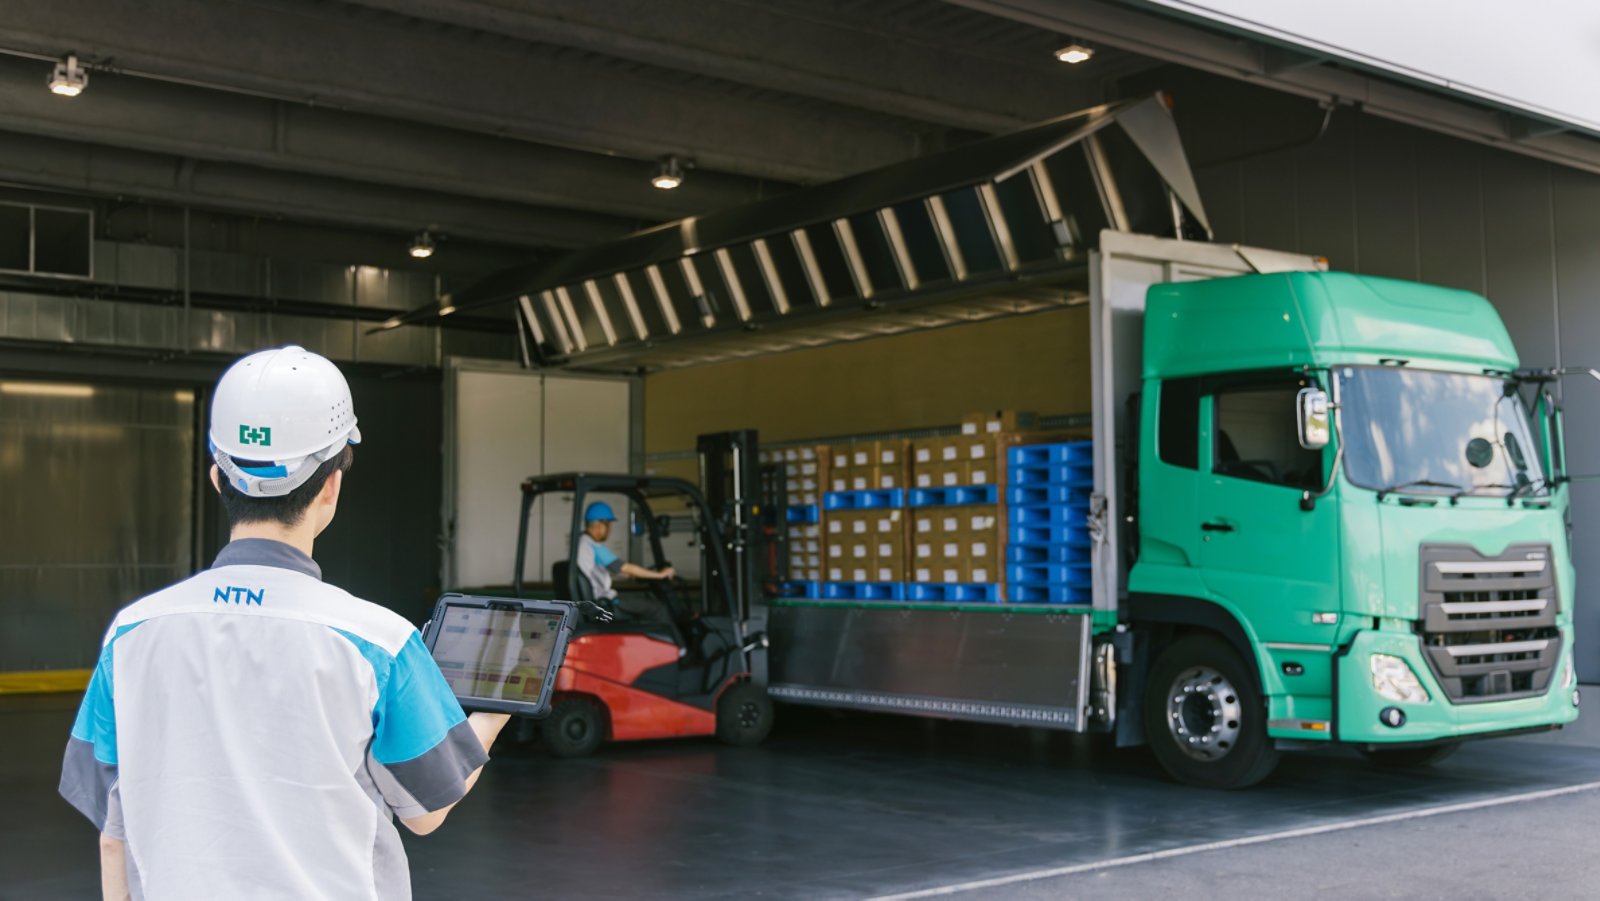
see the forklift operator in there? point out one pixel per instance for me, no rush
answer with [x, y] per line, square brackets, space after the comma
[598, 563]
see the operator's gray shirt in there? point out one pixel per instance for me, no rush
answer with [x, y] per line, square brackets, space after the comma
[598, 564]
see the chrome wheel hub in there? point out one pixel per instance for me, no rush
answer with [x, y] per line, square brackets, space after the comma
[1204, 714]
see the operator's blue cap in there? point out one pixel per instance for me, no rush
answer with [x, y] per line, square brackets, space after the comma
[599, 511]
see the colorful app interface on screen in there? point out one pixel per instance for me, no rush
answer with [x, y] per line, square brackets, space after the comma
[498, 654]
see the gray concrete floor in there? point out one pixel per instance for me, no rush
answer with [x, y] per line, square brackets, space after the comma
[861, 806]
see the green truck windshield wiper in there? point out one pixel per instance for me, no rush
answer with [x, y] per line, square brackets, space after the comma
[1419, 483]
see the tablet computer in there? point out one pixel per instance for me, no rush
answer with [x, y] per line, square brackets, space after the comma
[500, 654]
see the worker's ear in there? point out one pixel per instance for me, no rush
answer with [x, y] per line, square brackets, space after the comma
[216, 478]
[327, 503]
[329, 495]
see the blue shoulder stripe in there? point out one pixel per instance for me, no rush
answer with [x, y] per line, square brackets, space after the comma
[416, 709]
[96, 722]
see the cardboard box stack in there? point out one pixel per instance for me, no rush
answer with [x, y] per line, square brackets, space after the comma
[952, 531]
[804, 471]
[865, 545]
[867, 465]
[959, 536]
[955, 545]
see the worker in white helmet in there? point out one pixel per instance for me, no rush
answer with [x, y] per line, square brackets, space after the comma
[252, 731]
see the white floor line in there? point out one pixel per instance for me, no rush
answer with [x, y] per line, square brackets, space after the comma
[1035, 875]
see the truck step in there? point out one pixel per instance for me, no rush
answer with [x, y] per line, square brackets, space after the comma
[1034, 495]
[955, 496]
[1049, 514]
[972, 592]
[864, 591]
[1049, 533]
[1046, 454]
[1048, 594]
[800, 589]
[883, 499]
[1048, 553]
[802, 514]
[1050, 574]
[1075, 474]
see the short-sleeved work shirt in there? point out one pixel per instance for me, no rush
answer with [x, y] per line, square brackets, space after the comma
[598, 564]
[252, 731]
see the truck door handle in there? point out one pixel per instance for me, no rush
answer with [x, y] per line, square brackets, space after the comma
[1216, 527]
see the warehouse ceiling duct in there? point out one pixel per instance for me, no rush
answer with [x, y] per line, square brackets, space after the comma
[997, 227]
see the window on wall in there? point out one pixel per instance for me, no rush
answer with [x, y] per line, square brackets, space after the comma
[1255, 436]
[1178, 431]
[43, 240]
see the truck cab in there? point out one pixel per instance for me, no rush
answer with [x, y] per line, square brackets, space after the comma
[1349, 510]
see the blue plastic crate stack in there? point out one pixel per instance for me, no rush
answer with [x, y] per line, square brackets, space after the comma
[1047, 556]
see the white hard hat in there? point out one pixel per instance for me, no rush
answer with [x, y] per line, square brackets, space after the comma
[276, 416]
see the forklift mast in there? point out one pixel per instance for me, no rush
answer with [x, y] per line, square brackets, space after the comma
[730, 478]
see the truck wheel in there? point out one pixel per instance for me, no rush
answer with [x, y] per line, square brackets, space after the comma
[1408, 758]
[744, 715]
[574, 728]
[1204, 718]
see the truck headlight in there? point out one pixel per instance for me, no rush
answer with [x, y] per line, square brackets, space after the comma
[1393, 678]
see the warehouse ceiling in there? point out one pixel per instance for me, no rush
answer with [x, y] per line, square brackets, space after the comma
[514, 129]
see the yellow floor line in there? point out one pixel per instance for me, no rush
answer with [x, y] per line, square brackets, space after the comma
[45, 681]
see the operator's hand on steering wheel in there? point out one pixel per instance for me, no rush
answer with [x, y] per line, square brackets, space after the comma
[669, 573]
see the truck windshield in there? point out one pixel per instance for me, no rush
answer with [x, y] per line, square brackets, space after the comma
[1416, 431]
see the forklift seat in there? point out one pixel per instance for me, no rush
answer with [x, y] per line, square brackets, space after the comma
[560, 575]
[635, 611]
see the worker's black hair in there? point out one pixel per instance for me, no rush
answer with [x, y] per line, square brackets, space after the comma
[289, 509]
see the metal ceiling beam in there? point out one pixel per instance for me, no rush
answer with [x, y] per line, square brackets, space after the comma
[384, 64]
[803, 50]
[192, 122]
[1164, 38]
[33, 161]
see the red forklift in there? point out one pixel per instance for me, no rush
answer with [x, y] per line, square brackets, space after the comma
[665, 658]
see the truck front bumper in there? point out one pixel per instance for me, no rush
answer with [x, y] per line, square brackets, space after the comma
[1364, 716]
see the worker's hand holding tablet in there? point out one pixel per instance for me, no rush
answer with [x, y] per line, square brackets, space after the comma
[500, 654]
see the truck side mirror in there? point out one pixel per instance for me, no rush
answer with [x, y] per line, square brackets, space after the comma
[1311, 418]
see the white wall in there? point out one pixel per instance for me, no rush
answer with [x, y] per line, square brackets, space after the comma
[502, 426]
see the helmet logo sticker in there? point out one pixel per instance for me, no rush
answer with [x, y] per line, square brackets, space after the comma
[261, 436]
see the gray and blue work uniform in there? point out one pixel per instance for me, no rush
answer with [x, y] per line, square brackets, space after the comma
[252, 732]
[599, 565]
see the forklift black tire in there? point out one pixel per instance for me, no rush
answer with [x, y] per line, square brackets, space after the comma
[744, 715]
[575, 728]
[1204, 717]
[1410, 758]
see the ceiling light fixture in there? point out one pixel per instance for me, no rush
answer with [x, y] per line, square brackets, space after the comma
[68, 79]
[422, 245]
[669, 173]
[1073, 54]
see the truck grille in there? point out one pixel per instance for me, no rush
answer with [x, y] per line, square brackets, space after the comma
[1488, 624]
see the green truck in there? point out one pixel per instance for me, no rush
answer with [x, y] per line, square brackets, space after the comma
[1328, 508]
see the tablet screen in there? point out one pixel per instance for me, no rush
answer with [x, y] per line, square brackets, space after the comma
[495, 653]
